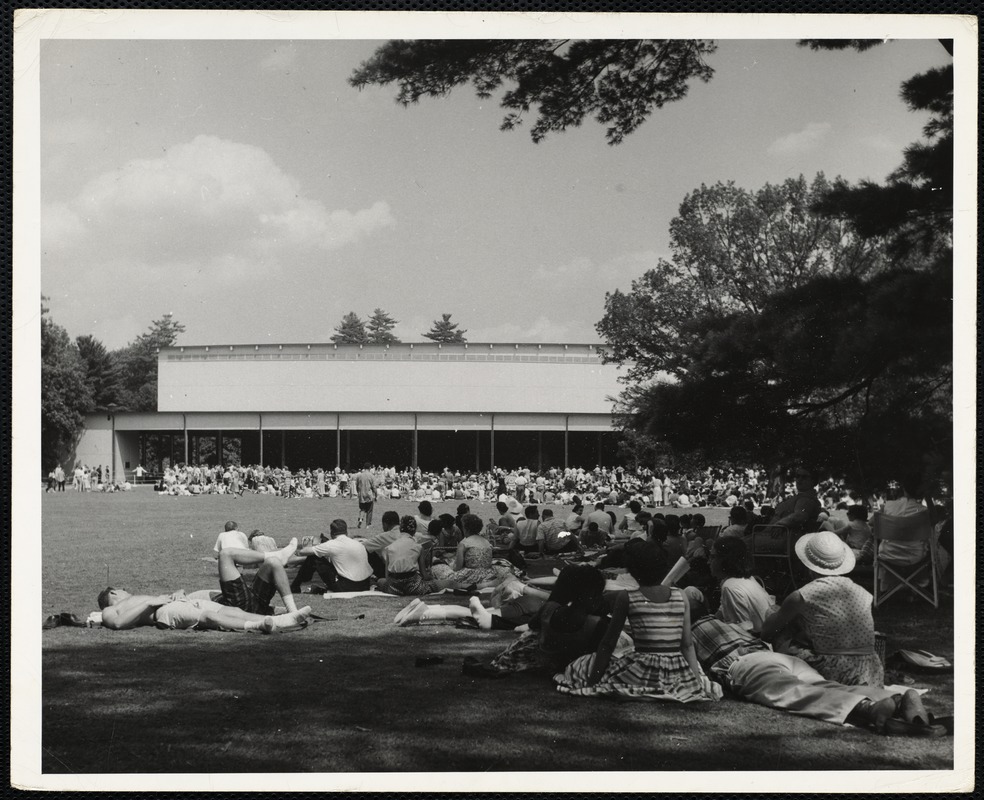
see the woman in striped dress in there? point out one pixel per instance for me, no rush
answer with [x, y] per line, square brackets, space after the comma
[663, 665]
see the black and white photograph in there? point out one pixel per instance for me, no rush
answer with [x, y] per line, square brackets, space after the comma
[493, 402]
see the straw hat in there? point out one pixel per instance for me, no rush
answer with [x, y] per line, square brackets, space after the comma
[825, 553]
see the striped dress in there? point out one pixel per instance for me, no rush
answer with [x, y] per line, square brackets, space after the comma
[656, 669]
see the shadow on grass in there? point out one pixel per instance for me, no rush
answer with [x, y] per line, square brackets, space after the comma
[344, 695]
[324, 701]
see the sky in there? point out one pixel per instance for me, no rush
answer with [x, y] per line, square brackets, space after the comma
[245, 187]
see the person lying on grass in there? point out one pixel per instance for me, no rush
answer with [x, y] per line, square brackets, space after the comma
[742, 662]
[238, 607]
[576, 618]
[514, 604]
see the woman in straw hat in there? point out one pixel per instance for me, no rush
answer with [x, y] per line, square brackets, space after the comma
[833, 613]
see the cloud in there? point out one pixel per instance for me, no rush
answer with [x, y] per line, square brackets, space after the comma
[803, 141]
[572, 270]
[204, 202]
[541, 330]
[283, 58]
[881, 143]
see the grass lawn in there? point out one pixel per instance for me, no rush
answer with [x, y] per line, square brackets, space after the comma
[344, 695]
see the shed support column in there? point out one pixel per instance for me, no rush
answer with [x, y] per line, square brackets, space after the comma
[348, 451]
[283, 448]
[539, 451]
[338, 442]
[598, 461]
[478, 447]
[261, 440]
[567, 426]
[184, 427]
[219, 449]
[413, 459]
[112, 454]
[492, 444]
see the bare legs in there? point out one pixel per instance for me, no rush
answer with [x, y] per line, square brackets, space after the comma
[418, 611]
[235, 619]
[271, 568]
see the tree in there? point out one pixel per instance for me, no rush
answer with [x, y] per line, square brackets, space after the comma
[379, 328]
[65, 396]
[618, 82]
[102, 373]
[732, 250]
[351, 330]
[445, 331]
[913, 209]
[851, 371]
[138, 363]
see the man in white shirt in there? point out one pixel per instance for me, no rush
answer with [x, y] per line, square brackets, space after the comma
[231, 537]
[341, 562]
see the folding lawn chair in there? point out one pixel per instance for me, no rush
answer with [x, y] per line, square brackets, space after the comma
[773, 558]
[917, 528]
[708, 533]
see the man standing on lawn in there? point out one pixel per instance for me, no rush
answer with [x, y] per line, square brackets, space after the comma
[238, 607]
[365, 489]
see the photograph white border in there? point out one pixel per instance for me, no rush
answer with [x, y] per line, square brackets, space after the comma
[33, 26]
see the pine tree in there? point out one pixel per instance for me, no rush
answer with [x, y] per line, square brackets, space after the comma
[379, 328]
[351, 330]
[446, 331]
[102, 372]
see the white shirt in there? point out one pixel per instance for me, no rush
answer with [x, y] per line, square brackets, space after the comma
[228, 539]
[348, 557]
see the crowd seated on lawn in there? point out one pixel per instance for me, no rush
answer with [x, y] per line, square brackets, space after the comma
[658, 642]
[711, 486]
[637, 635]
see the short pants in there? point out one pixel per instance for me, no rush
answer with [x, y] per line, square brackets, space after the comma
[183, 614]
[254, 598]
[366, 506]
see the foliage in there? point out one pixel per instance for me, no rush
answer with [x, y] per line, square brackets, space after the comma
[850, 374]
[138, 364]
[65, 395]
[379, 328]
[914, 207]
[102, 373]
[732, 250]
[618, 82]
[351, 330]
[849, 368]
[89, 725]
[445, 331]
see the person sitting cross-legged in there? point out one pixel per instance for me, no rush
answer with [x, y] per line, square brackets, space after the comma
[237, 607]
[341, 562]
[552, 538]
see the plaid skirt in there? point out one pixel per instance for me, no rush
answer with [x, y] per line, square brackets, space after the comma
[413, 585]
[654, 676]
